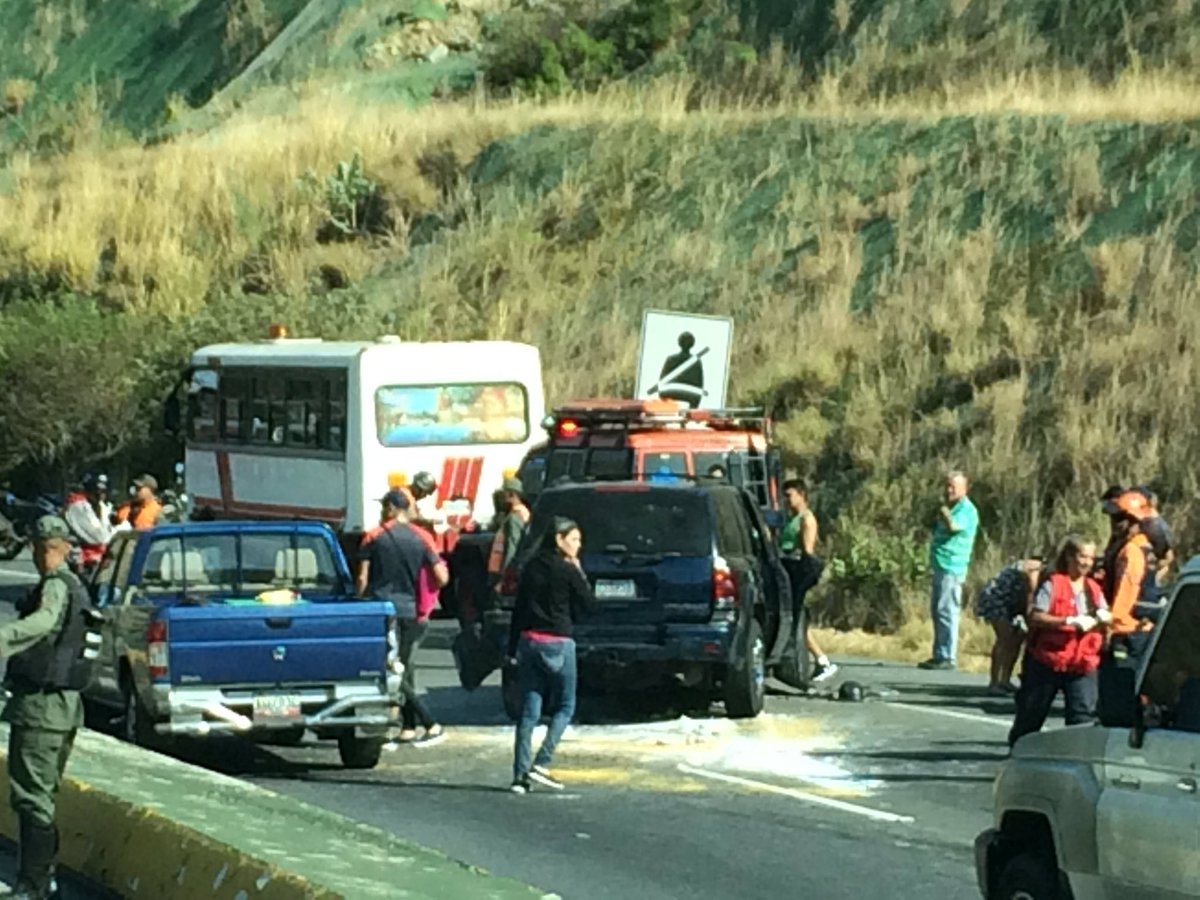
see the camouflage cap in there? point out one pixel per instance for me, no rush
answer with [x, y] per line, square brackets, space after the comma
[51, 527]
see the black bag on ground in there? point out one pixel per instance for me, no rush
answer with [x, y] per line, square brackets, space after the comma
[474, 658]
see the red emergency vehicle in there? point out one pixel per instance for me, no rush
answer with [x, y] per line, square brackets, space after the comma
[658, 440]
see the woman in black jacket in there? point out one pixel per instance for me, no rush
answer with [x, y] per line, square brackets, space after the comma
[551, 595]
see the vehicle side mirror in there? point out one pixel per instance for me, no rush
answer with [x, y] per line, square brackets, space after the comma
[1118, 706]
[774, 518]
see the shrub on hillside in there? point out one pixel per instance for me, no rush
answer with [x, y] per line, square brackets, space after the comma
[353, 203]
[549, 52]
[14, 95]
[537, 53]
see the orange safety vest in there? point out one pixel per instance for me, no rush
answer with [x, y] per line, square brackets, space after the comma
[495, 564]
[145, 517]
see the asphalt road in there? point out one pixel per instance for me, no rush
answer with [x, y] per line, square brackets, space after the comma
[815, 798]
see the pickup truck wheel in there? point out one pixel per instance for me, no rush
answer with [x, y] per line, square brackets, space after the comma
[359, 753]
[1030, 877]
[745, 685]
[510, 691]
[136, 725]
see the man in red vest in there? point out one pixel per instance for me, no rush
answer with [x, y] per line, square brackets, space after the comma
[1066, 641]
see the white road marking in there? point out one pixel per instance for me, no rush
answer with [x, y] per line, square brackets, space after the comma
[952, 714]
[877, 814]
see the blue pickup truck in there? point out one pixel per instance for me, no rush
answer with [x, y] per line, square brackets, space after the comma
[242, 628]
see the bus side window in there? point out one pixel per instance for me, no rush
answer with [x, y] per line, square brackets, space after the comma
[302, 413]
[335, 437]
[278, 411]
[233, 400]
[260, 412]
[203, 405]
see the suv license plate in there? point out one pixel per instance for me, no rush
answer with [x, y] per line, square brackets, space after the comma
[274, 707]
[615, 590]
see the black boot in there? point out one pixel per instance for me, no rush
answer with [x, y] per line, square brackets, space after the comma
[35, 861]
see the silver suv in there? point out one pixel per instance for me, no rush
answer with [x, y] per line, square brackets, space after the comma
[1110, 811]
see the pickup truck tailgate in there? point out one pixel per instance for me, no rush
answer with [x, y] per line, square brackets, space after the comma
[274, 645]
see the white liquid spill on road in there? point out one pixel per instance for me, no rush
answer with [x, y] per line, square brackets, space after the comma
[780, 758]
[779, 747]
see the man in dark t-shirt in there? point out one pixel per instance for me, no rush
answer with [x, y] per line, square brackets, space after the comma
[391, 558]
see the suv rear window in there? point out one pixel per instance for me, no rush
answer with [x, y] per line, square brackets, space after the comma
[641, 520]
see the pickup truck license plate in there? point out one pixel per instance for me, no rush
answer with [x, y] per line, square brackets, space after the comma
[615, 590]
[276, 707]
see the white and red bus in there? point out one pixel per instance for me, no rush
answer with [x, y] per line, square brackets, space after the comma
[312, 429]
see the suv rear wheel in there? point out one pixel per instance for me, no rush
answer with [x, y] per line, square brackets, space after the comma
[1029, 876]
[745, 684]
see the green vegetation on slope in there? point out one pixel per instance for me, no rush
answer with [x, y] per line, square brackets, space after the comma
[129, 58]
[913, 287]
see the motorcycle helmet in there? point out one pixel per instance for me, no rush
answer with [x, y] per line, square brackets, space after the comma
[851, 692]
[424, 484]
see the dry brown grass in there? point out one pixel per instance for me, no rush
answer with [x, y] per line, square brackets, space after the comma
[912, 643]
[178, 210]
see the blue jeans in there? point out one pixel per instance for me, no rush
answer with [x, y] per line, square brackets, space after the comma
[945, 606]
[547, 676]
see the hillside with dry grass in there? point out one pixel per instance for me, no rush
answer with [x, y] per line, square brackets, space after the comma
[948, 233]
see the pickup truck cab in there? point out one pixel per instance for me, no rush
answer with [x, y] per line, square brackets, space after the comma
[243, 628]
[689, 587]
[1113, 810]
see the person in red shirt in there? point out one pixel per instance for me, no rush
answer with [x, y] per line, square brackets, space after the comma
[1066, 642]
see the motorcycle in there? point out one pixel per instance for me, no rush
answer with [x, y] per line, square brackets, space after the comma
[18, 520]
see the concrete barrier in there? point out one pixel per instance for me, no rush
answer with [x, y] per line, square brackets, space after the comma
[145, 825]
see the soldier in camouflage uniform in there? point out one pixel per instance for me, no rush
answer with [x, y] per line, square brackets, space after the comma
[43, 649]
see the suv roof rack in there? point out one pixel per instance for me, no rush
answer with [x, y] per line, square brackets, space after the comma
[652, 414]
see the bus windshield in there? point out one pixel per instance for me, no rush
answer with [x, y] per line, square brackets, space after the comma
[424, 415]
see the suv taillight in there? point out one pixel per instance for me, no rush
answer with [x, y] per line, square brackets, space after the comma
[724, 586]
[156, 648]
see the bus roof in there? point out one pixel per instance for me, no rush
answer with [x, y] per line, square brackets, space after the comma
[316, 352]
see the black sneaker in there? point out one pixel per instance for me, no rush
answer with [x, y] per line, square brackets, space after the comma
[542, 776]
[520, 786]
[936, 665]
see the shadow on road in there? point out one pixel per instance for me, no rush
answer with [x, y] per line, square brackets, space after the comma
[453, 706]
[930, 756]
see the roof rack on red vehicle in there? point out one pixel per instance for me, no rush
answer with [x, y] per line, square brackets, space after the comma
[649, 414]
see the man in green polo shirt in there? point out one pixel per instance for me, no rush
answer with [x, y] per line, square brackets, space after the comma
[950, 555]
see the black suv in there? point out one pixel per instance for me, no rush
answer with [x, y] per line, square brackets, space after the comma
[689, 586]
